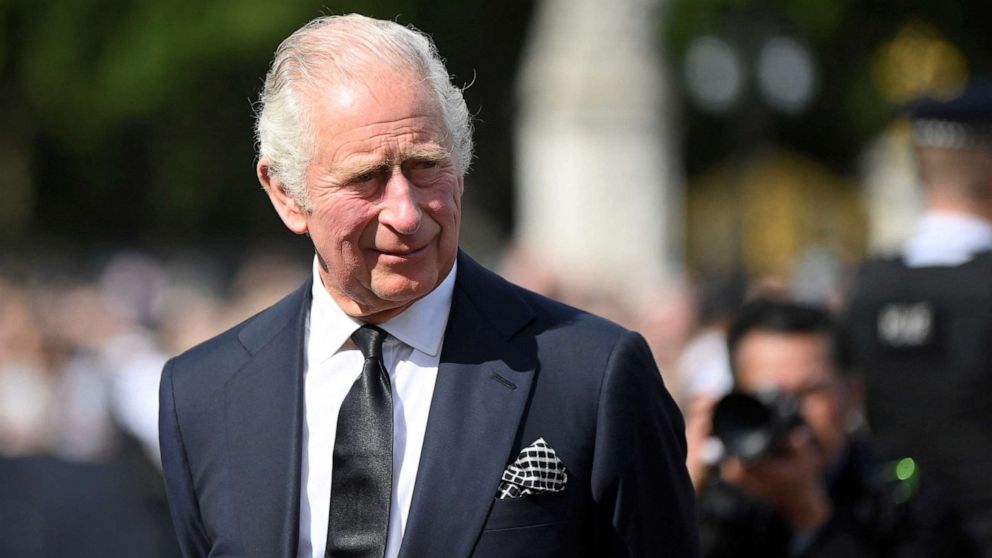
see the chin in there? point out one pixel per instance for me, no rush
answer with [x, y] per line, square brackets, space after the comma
[404, 289]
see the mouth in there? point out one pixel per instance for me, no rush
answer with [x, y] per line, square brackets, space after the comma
[403, 253]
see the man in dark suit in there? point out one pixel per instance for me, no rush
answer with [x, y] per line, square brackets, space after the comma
[485, 420]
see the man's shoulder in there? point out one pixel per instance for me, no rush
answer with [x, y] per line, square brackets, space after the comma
[556, 318]
[505, 300]
[227, 351]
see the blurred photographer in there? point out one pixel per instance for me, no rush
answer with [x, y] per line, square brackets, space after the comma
[789, 476]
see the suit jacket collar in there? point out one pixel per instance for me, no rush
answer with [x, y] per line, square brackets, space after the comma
[482, 388]
[263, 405]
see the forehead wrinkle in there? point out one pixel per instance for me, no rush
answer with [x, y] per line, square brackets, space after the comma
[405, 139]
[405, 128]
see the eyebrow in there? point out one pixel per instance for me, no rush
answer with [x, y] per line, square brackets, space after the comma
[431, 153]
[349, 172]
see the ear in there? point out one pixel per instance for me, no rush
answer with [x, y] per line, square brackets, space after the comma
[292, 215]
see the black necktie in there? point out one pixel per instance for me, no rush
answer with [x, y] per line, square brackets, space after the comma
[362, 475]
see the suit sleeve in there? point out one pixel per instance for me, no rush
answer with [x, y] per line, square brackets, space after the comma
[645, 504]
[178, 481]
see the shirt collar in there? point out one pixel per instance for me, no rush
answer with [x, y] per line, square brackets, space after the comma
[420, 326]
[945, 239]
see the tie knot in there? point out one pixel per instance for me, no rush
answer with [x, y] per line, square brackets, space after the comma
[369, 340]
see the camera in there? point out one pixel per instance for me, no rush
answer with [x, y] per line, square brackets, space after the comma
[754, 426]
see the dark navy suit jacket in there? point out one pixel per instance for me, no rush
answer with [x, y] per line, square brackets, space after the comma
[514, 367]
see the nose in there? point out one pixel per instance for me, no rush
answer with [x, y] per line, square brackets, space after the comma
[400, 210]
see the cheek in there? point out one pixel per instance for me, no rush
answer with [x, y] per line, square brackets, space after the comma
[340, 231]
[447, 207]
[342, 220]
[442, 211]
[447, 211]
[823, 414]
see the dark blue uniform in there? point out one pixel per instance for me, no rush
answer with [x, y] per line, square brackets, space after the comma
[924, 340]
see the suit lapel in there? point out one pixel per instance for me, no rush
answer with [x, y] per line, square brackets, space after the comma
[482, 388]
[264, 418]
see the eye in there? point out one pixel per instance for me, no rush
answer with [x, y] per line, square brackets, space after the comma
[364, 179]
[425, 164]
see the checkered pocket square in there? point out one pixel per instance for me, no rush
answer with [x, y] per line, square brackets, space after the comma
[537, 470]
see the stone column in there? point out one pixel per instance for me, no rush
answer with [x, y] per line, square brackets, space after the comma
[599, 198]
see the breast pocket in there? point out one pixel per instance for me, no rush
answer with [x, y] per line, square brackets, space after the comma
[530, 526]
[529, 511]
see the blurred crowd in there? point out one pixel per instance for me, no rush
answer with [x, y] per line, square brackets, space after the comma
[82, 345]
[83, 342]
[82, 348]
[81, 353]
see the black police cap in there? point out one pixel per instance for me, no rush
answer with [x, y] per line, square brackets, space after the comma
[962, 122]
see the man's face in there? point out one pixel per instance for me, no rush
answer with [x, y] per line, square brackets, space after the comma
[799, 364]
[384, 192]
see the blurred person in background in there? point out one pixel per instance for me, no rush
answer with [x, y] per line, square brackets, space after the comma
[81, 354]
[405, 400]
[703, 367]
[74, 479]
[800, 482]
[26, 387]
[922, 321]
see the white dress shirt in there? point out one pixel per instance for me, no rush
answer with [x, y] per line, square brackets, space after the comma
[411, 354]
[947, 239]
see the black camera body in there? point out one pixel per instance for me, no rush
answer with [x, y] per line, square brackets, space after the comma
[755, 426]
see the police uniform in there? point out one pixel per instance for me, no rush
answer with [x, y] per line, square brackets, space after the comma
[921, 326]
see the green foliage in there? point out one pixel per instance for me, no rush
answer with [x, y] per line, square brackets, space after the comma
[816, 20]
[134, 117]
[88, 66]
[845, 38]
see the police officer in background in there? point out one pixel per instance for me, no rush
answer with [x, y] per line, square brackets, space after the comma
[795, 479]
[922, 322]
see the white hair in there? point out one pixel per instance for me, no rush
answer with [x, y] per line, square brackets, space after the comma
[336, 48]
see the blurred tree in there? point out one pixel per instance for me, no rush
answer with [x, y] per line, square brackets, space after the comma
[818, 79]
[845, 38]
[131, 121]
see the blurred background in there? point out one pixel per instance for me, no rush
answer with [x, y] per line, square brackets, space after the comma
[649, 160]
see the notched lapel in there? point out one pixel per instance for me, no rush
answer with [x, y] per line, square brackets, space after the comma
[264, 414]
[471, 431]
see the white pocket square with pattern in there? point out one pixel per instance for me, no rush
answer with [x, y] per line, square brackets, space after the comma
[537, 470]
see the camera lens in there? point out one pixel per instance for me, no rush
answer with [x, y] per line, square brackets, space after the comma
[752, 427]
